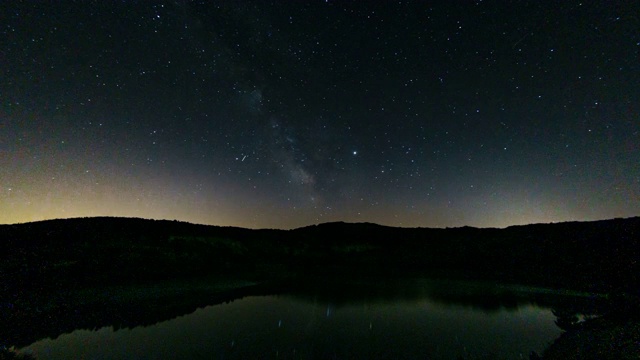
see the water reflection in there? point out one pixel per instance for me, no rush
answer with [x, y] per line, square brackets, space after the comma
[358, 320]
[285, 327]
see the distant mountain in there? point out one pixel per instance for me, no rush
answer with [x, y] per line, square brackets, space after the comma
[597, 255]
[61, 275]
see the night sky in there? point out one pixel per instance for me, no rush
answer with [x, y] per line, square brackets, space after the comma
[267, 114]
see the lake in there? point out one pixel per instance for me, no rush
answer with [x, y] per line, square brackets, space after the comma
[387, 320]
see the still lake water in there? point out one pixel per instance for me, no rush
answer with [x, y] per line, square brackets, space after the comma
[322, 326]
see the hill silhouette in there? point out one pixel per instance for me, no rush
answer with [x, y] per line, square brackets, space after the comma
[60, 275]
[596, 256]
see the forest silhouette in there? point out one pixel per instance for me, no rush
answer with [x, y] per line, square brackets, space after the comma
[95, 272]
[598, 256]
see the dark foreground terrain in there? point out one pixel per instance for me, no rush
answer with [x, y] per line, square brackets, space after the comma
[87, 273]
[596, 256]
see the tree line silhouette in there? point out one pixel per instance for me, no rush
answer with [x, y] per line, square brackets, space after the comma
[45, 266]
[594, 256]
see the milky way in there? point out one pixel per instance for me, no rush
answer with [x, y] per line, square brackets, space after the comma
[284, 114]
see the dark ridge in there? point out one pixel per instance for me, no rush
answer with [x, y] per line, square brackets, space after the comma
[47, 266]
[597, 255]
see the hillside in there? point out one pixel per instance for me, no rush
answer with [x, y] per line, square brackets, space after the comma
[60, 275]
[599, 255]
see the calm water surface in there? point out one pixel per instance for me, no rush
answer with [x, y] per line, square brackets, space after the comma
[315, 327]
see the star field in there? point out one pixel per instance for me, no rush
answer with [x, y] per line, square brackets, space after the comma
[284, 114]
